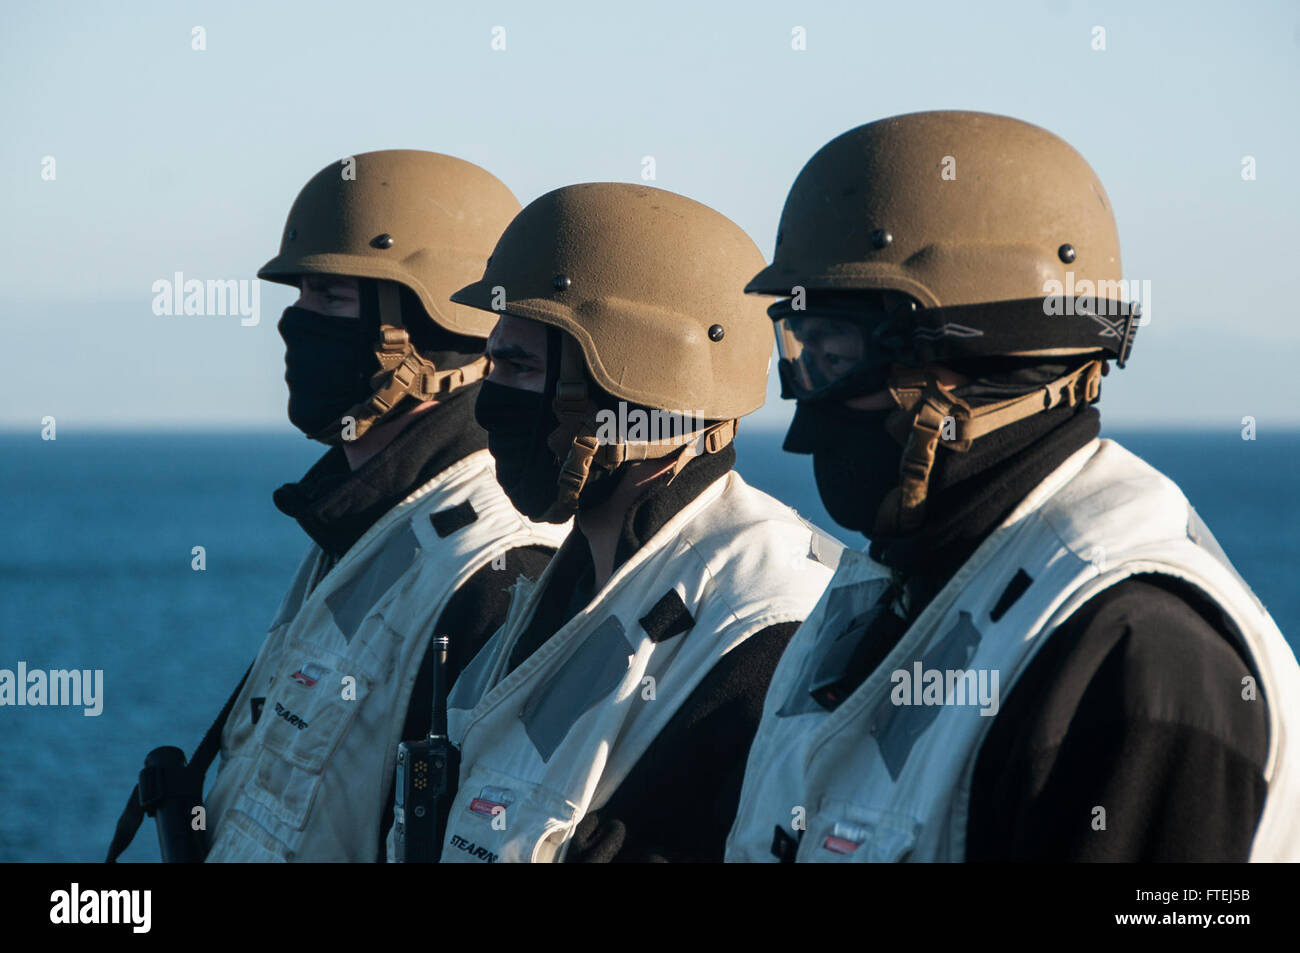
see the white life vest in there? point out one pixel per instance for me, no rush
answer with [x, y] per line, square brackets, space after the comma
[549, 742]
[883, 778]
[307, 756]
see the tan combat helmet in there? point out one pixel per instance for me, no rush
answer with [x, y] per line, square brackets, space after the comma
[647, 287]
[404, 217]
[1002, 237]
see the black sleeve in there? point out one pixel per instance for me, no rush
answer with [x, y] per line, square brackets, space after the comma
[472, 615]
[1135, 706]
[679, 802]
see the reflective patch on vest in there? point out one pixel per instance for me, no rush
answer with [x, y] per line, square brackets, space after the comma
[853, 656]
[897, 727]
[591, 673]
[472, 682]
[352, 601]
[845, 606]
[824, 548]
[1011, 594]
[445, 522]
[667, 617]
[293, 601]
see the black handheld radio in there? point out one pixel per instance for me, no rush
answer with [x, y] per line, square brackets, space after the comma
[426, 771]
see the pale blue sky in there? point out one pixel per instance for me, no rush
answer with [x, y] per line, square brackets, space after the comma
[170, 159]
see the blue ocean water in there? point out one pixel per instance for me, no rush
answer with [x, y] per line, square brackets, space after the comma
[95, 573]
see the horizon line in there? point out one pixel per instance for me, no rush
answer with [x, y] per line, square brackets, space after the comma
[205, 428]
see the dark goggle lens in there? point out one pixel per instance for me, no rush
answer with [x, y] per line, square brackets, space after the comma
[820, 352]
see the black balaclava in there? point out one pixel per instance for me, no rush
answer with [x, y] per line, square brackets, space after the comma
[519, 422]
[855, 459]
[330, 360]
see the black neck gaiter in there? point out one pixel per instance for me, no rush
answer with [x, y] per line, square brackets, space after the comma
[855, 462]
[972, 493]
[336, 505]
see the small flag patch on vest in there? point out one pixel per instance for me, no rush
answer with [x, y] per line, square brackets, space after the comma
[845, 838]
[309, 674]
[491, 801]
[445, 522]
[667, 617]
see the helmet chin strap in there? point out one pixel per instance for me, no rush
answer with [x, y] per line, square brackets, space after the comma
[929, 411]
[403, 372]
[575, 444]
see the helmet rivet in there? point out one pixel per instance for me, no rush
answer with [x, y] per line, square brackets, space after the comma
[382, 241]
[561, 282]
[292, 234]
[716, 332]
[1066, 253]
[881, 237]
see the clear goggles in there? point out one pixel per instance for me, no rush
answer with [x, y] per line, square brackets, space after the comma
[839, 351]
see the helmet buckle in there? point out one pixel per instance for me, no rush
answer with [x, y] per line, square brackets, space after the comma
[1130, 332]
[393, 339]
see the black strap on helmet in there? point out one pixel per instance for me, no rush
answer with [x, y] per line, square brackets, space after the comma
[934, 335]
